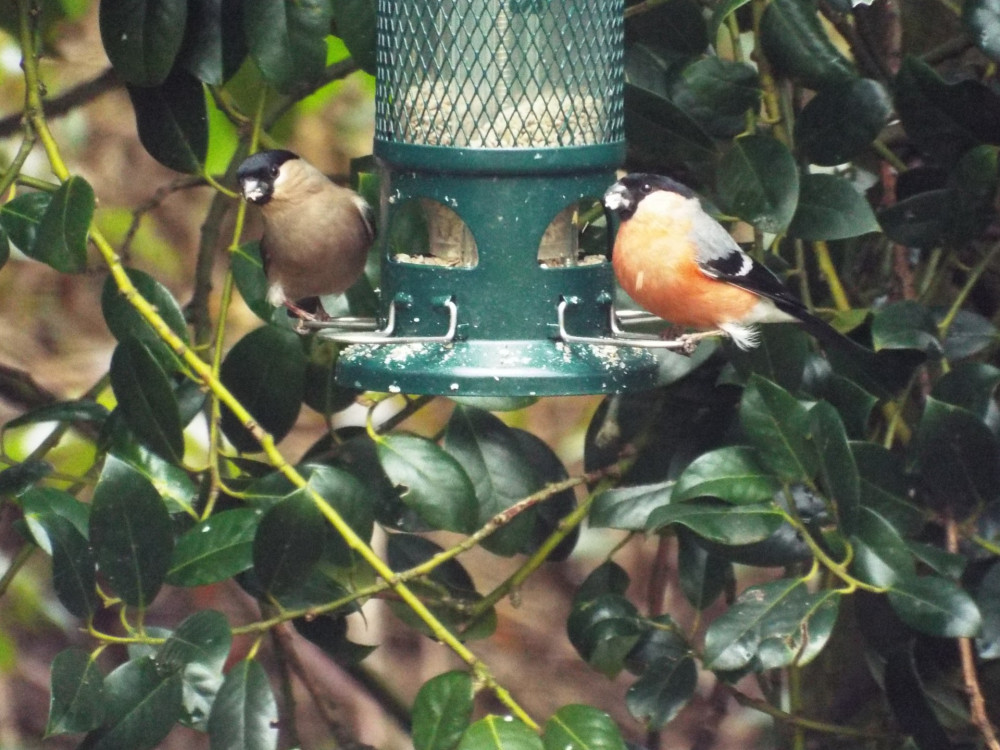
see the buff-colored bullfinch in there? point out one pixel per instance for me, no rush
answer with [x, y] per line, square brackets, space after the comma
[316, 233]
[679, 263]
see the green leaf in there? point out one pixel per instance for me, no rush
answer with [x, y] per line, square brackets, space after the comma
[578, 727]
[957, 457]
[287, 39]
[351, 499]
[881, 557]
[837, 470]
[500, 733]
[250, 280]
[830, 208]
[432, 483]
[719, 522]
[355, 24]
[628, 508]
[796, 44]
[759, 182]
[491, 457]
[265, 371]
[174, 484]
[549, 469]
[131, 534]
[143, 701]
[676, 26]
[124, 321]
[244, 715]
[773, 625]
[146, 399]
[215, 549]
[288, 544]
[604, 630]
[935, 606]
[72, 412]
[946, 119]
[74, 574]
[885, 487]
[703, 575]
[44, 501]
[988, 601]
[442, 711]
[199, 646]
[77, 694]
[919, 220]
[21, 219]
[20, 477]
[972, 188]
[214, 45]
[61, 241]
[663, 133]
[662, 691]
[731, 473]
[142, 37]
[719, 14]
[969, 334]
[910, 700]
[172, 120]
[717, 93]
[842, 120]
[970, 386]
[981, 19]
[906, 324]
[778, 426]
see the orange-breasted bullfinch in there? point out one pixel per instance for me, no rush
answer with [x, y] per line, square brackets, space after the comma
[679, 263]
[316, 233]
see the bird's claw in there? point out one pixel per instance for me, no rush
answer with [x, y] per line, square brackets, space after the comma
[689, 341]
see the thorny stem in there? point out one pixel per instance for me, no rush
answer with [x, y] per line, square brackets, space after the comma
[204, 373]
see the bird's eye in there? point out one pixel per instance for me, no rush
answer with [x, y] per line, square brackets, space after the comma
[274, 171]
[647, 188]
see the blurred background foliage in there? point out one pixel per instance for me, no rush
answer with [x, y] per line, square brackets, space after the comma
[771, 549]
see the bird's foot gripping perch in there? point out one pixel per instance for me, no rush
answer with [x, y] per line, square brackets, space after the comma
[620, 337]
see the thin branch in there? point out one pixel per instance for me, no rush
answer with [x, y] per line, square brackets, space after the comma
[67, 101]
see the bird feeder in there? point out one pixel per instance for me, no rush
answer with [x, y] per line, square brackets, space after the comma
[499, 124]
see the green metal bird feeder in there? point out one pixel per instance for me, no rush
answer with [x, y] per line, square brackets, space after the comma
[499, 124]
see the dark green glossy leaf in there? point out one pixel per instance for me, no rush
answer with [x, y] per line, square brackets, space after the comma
[837, 470]
[143, 702]
[265, 371]
[578, 727]
[146, 399]
[248, 274]
[442, 711]
[202, 638]
[604, 630]
[972, 194]
[657, 646]
[910, 701]
[719, 522]
[628, 508]
[491, 456]
[4, 247]
[969, 385]
[918, 220]
[969, 334]
[172, 120]
[61, 241]
[63, 411]
[717, 93]
[606, 578]
[662, 691]
[549, 469]
[288, 544]
[773, 625]
[780, 357]
[500, 733]
[124, 321]
[350, 499]
[330, 635]
[853, 403]
[703, 575]
[885, 487]
[659, 130]
[957, 457]
[797, 45]
[214, 45]
[880, 554]
[45, 501]
[906, 324]
[74, 574]
[131, 533]
[288, 40]
[830, 208]
[677, 26]
[432, 482]
[947, 564]
[759, 182]
[77, 694]
[142, 37]
[175, 485]
[981, 18]
[214, 549]
[935, 606]
[355, 24]
[244, 715]
[18, 478]
[988, 601]
[778, 426]
[21, 219]
[842, 120]
[946, 119]
[321, 390]
[731, 473]
[359, 456]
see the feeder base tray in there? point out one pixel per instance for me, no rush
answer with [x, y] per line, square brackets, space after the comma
[497, 368]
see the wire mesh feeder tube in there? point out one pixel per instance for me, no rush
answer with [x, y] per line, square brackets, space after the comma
[502, 115]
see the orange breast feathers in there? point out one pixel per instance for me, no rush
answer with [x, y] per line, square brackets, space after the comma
[655, 262]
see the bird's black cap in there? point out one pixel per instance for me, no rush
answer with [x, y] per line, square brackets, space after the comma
[257, 172]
